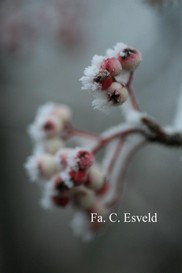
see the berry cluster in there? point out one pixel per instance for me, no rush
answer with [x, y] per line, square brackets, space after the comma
[108, 75]
[67, 175]
[70, 174]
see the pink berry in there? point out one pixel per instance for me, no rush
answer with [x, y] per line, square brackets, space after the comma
[130, 59]
[117, 94]
[78, 177]
[106, 83]
[112, 65]
[104, 79]
[84, 159]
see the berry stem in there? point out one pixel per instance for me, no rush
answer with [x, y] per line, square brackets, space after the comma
[131, 93]
[106, 140]
[125, 158]
[73, 132]
[115, 156]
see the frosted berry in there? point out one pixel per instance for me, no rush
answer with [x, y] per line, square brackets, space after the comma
[130, 59]
[46, 165]
[117, 94]
[112, 65]
[95, 178]
[84, 159]
[85, 199]
[104, 79]
[78, 177]
[52, 145]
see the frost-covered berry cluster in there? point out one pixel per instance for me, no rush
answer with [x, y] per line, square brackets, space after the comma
[108, 75]
[65, 161]
[67, 175]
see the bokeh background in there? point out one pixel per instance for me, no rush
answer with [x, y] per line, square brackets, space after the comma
[44, 63]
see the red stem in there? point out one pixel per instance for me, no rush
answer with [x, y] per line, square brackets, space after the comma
[72, 132]
[131, 93]
[120, 181]
[104, 141]
[83, 133]
[115, 155]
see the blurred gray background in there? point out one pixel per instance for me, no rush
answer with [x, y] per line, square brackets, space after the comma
[33, 240]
